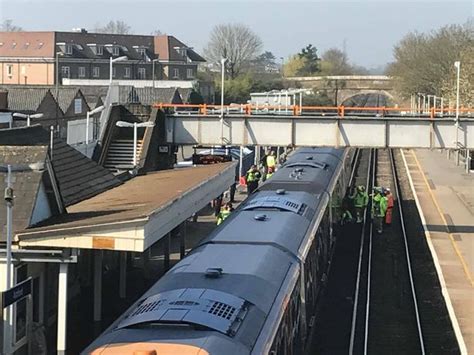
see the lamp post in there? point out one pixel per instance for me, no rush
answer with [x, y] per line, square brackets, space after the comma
[223, 60]
[28, 117]
[90, 113]
[57, 87]
[153, 70]
[9, 199]
[135, 126]
[457, 65]
[119, 59]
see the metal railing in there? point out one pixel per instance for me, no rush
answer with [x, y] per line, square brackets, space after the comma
[297, 110]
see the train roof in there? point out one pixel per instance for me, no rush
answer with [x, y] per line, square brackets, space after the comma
[266, 224]
[213, 276]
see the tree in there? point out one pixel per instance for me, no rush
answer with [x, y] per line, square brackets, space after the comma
[311, 60]
[335, 62]
[8, 26]
[424, 63]
[236, 42]
[114, 27]
[264, 63]
[466, 78]
[157, 33]
[295, 66]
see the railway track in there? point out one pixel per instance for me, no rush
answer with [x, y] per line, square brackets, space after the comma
[385, 315]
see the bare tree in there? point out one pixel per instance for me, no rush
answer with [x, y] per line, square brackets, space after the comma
[424, 62]
[157, 33]
[8, 26]
[114, 27]
[236, 42]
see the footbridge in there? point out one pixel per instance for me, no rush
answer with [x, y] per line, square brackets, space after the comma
[391, 127]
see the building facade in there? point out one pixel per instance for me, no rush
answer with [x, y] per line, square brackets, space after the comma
[42, 58]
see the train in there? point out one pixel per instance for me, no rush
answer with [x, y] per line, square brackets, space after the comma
[254, 284]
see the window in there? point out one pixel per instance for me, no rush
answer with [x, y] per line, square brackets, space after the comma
[190, 73]
[175, 73]
[77, 106]
[141, 73]
[114, 72]
[23, 70]
[100, 50]
[127, 72]
[10, 70]
[66, 72]
[82, 72]
[142, 51]
[69, 49]
[115, 50]
[95, 72]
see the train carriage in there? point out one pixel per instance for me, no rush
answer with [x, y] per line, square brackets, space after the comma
[252, 286]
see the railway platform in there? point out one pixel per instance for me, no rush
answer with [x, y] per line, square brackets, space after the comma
[444, 196]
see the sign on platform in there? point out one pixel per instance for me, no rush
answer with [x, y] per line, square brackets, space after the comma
[16, 293]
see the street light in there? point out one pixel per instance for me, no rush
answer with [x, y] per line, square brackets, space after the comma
[57, 86]
[153, 70]
[9, 197]
[223, 60]
[135, 126]
[119, 59]
[457, 65]
[27, 117]
[90, 113]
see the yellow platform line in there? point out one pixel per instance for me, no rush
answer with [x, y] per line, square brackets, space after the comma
[453, 242]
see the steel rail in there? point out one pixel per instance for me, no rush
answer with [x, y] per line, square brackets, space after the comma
[407, 252]
[369, 263]
[359, 266]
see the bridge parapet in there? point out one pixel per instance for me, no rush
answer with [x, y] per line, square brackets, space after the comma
[346, 127]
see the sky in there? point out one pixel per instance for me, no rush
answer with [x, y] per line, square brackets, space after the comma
[367, 28]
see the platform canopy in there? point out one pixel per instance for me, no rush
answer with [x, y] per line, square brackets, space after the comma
[134, 215]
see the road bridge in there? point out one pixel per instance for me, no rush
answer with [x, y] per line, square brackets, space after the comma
[318, 126]
[348, 86]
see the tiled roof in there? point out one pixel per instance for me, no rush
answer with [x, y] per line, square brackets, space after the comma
[27, 44]
[25, 184]
[165, 48]
[148, 95]
[65, 96]
[78, 177]
[25, 98]
[83, 45]
[94, 94]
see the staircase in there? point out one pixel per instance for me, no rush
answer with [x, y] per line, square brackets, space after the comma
[120, 154]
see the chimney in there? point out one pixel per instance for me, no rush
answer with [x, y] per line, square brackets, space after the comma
[79, 29]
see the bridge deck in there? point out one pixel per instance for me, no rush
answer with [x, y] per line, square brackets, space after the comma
[321, 130]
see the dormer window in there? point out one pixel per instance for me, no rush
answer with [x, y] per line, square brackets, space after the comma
[40, 45]
[142, 51]
[115, 51]
[100, 50]
[69, 49]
